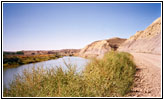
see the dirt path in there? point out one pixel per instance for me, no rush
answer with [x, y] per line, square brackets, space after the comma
[148, 75]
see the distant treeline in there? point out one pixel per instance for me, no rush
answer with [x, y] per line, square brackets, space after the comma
[13, 53]
[14, 59]
[64, 52]
[17, 59]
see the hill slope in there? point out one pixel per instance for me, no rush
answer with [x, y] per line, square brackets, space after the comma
[147, 41]
[98, 48]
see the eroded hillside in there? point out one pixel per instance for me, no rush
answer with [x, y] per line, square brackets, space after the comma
[99, 48]
[147, 41]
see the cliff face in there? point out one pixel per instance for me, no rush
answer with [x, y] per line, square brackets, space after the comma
[98, 48]
[147, 41]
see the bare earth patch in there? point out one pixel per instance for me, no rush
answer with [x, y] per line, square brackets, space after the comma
[148, 75]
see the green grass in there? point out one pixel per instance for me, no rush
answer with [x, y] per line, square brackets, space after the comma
[111, 76]
[10, 61]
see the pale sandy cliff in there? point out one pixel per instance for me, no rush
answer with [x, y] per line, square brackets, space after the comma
[147, 41]
[99, 48]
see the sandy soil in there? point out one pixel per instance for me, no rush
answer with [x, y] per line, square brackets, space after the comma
[148, 75]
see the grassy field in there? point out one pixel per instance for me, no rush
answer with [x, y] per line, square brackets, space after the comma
[111, 76]
[17, 60]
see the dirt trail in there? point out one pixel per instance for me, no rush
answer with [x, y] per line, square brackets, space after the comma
[148, 75]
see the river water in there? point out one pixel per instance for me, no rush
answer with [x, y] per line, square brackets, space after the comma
[10, 73]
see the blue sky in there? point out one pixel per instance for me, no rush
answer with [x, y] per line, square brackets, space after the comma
[51, 26]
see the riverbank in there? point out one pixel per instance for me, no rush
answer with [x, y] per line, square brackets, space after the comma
[10, 61]
[111, 76]
[10, 73]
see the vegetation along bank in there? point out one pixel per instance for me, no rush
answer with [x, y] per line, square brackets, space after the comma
[111, 76]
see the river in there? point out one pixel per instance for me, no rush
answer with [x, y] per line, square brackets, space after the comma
[9, 74]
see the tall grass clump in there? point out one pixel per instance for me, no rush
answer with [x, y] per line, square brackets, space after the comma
[111, 76]
[47, 83]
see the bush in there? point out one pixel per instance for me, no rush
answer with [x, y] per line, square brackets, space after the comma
[111, 76]
[20, 53]
[46, 83]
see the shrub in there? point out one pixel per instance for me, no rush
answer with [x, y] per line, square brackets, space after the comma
[111, 76]
[20, 53]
